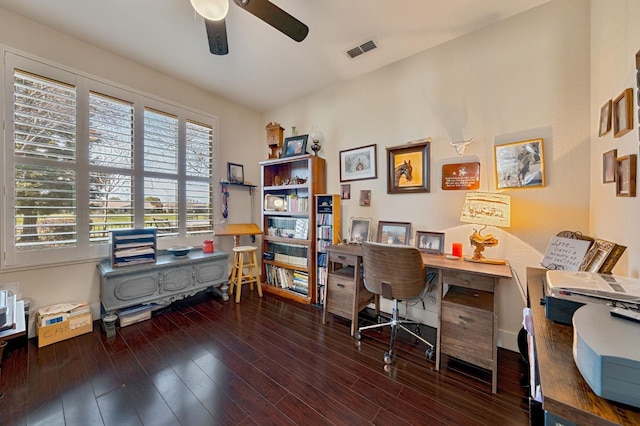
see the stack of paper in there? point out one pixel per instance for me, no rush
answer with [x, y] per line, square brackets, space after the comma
[61, 312]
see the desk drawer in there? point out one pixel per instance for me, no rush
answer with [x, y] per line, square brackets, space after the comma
[466, 330]
[340, 294]
[344, 259]
[468, 280]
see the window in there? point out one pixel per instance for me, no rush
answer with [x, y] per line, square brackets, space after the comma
[85, 157]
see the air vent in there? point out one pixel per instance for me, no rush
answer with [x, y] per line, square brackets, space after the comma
[363, 48]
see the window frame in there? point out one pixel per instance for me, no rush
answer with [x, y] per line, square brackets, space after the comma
[84, 84]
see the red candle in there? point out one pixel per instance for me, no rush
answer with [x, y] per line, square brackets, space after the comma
[456, 249]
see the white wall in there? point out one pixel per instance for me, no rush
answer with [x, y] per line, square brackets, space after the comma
[523, 78]
[615, 39]
[240, 130]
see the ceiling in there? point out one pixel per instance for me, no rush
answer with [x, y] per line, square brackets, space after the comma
[265, 69]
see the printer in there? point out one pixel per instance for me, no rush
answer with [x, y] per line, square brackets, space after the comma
[566, 291]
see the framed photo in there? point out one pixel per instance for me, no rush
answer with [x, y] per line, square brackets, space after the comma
[623, 113]
[430, 242]
[365, 197]
[345, 191]
[295, 145]
[408, 167]
[609, 166]
[605, 118]
[520, 164]
[235, 173]
[359, 163]
[596, 256]
[394, 232]
[359, 230]
[275, 203]
[626, 176]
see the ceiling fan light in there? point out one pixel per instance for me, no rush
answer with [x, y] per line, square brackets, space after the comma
[213, 10]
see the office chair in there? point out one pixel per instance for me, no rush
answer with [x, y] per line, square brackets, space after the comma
[395, 272]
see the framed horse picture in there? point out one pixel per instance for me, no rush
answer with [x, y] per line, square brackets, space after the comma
[520, 164]
[408, 167]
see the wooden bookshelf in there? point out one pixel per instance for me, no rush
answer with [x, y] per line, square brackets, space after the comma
[289, 186]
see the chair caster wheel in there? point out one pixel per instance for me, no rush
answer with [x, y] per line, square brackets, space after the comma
[387, 358]
[418, 330]
[357, 335]
[429, 353]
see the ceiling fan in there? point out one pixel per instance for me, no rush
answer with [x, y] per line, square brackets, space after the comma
[214, 12]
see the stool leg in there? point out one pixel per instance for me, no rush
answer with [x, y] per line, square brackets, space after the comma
[257, 274]
[234, 273]
[240, 277]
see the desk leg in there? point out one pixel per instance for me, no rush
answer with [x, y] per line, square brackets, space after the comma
[439, 293]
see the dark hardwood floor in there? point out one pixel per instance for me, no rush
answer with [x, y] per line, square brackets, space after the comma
[263, 361]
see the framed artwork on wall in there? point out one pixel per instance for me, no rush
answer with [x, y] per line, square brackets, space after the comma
[623, 113]
[359, 163]
[345, 191]
[605, 118]
[626, 176]
[520, 164]
[408, 167]
[609, 166]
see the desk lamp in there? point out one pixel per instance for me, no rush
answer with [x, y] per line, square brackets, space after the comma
[488, 209]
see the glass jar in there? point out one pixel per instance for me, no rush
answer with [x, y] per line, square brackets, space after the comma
[207, 246]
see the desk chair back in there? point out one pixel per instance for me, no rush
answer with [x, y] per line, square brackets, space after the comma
[393, 271]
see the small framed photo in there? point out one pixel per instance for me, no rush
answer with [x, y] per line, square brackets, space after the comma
[235, 173]
[520, 164]
[596, 255]
[394, 232]
[345, 191]
[609, 166]
[359, 230]
[408, 167]
[626, 176]
[295, 145]
[365, 197]
[623, 113]
[359, 163]
[605, 118]
[430, 242]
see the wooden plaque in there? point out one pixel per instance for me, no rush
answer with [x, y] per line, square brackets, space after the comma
[461, 176]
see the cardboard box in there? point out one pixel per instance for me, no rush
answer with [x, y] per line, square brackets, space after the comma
[74, 326]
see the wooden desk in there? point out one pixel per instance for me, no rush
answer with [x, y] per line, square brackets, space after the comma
[565, 393]
[236, 229]
[467, 318]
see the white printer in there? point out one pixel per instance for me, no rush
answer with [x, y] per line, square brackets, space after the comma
[566, 291]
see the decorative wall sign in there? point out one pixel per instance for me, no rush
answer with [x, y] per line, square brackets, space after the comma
[461, 176]
[565, 253]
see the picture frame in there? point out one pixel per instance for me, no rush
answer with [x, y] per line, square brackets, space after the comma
[596, 255]
[275, 203]
[394, 232]
[623, 113]
[345, 191]
[365, 197]
[359, 163]
[520, 164]
[626, 176]
[294, 146]
[609, 166]
[359, 230]
[235, 173]
[430, 242]
[605, 118]
[408, 167]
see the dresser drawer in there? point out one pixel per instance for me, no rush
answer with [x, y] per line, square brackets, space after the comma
[468, 280]
[466, 330]
[340, 294]
[344, 259]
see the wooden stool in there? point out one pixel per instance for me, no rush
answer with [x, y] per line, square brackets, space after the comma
[244, 257]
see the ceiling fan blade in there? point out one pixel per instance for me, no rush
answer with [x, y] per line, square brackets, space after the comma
[217, 35]
[276, 17]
